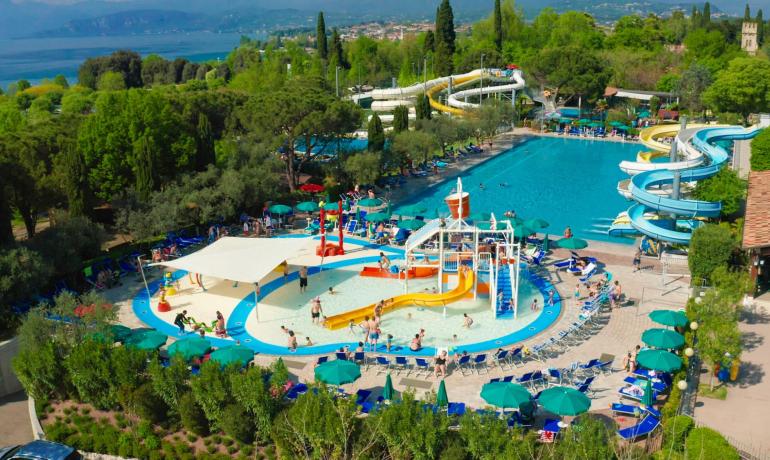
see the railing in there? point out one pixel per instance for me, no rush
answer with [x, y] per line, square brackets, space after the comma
[485, 261]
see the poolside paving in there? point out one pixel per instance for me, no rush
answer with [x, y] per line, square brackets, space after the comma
[14, 413]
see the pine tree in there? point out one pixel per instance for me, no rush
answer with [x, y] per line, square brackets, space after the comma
[422, 107]
[336, 55]
[498, 19]
[707, 14]
[445, 39]
[429, 45]
[760, 27]
[205, 154]
[694, 17]
[320, 36]
[747, 13]
[400, 119]
[375, 134]
[76, 181]
[145, 165]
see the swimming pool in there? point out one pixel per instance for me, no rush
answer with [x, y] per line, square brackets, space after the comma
[567, 182]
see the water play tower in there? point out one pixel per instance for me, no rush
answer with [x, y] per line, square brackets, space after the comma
[486, 249]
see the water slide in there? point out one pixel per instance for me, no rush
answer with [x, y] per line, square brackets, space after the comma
[645, 187]
[422, 299]
[649, 138]
[388, 99]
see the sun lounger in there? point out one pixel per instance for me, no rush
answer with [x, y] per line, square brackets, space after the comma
[636, 395]
[457, 409]
[362, 395]
[646, 426]
[656, 386]
[631, 410]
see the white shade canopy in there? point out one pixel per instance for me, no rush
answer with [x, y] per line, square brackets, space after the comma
[246, 260]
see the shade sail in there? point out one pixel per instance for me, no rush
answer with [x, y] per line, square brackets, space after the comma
[247, 260]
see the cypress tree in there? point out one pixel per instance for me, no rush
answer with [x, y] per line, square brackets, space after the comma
[694, 19]
[747, 13]
[76, 181]
[707, 14]
[320, 36]
[429, 45]
[400, 118]
[145, 182]
[498, 19]
[445, 39]
[375, 134]
[422, 107]
[205, 154]
[336, 54]
[760, 27]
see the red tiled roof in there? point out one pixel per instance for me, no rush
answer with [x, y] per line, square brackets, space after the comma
[756, 230]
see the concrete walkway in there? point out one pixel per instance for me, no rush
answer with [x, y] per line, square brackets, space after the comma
[15, 427]
[743, 416]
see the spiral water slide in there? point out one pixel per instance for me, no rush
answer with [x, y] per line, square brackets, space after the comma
[675, 218]
[388, 99]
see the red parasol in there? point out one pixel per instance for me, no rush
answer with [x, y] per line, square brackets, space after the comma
[312, 188]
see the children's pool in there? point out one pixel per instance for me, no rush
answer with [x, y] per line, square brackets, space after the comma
[286, 306]
[567, 182]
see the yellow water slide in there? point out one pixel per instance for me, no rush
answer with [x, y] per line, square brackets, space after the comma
[648, 136]
[422, 299]
[441, 87]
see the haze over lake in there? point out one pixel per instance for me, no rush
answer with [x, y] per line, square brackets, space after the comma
[38, 58]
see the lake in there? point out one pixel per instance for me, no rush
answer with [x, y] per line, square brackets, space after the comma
[39, 58]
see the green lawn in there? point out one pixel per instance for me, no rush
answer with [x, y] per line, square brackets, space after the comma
[719, 391]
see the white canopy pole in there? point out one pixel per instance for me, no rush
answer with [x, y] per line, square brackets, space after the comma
[146, 288]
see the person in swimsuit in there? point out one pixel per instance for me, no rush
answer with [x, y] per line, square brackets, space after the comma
[292, 342]
[467, 321]
[416, 343]
[316, 310]
[440, 366]
[303, 279]
[374, 336]
[364, 325]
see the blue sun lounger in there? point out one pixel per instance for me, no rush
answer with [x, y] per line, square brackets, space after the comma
[646, 426]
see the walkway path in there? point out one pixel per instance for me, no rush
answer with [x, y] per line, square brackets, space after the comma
[15, 427]
[743, 416]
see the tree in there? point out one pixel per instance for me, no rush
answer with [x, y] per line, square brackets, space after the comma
[400, 119]
[711, 246]
[23, 85]
[695, 17]
[422, 107]
[411, 432]
[429, 45]
[570, 70]
[691, 85]
[725, 187]
[61, 80]
[747, 13]
[336, 55]
[145, 170]
[718, 332]
[706, 14]
[111, 81]
[76, 182]
[498, 20]
[744, 87]
[760, 27]
[445, 39]
[704, 442]
[418, 146]
[375, 134]
[320, 36]
[205, 154]
[364, 167]
[760, 151]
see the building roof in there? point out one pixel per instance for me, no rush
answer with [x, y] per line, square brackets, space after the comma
[756, 229]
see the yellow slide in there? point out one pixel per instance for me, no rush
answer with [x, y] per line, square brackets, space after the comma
[440, 87]
[647, 135]
[423, 299]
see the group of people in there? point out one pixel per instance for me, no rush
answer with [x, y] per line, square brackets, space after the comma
[219, 327]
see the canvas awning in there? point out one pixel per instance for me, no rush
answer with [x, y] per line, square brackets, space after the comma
[246, 260]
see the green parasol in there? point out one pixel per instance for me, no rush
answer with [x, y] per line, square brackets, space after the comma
[387, 390]
[480, 216]
[334, 206]
[369, 203]
[441, 398]
[412, 210]
[662, 338]
[616, 123]
[488, 226]
[659, 360]
[337, 372]
[571, 243]
[279, 209]
[565, 120]
[546, 243]
[146, 339]
[595, 124]
[378, 217]
[647, 398]
[307, 206]
[412, 224]
[669, 318]
[189, 348]
[522, 231]
[120, 332]
[584, 121]
[564, 401]
[235, 354]
[505, 394]
[536, 223]
[623, 127]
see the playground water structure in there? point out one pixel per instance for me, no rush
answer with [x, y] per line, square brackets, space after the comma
[385, 100]
[658, 213]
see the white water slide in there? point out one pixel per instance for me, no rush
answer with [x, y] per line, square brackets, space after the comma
[386, 100]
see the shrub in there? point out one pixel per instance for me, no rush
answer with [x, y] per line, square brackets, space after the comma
[146, 404]
[706, 444]
[191, 437]
[760, 151]
[711, 246]
[192, 416]
[675, 431]
[152, 442]
[237, 423]
[125, 445]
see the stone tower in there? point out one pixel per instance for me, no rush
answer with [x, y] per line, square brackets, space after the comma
[749, 38]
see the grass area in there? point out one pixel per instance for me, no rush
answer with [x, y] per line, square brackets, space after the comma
[719, 391]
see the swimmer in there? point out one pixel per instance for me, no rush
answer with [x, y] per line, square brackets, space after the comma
[331, 291]
[468, 321]
[481, 187]
[503, 184]
[308, 342]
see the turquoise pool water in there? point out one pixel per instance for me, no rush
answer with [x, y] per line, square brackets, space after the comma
[567, 182]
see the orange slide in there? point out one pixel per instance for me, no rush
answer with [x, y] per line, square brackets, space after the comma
[423, 299]
[416, 272]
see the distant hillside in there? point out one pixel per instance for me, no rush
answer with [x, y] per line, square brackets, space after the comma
[131, 22]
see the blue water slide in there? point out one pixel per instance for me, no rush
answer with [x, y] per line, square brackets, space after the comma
[703, 140]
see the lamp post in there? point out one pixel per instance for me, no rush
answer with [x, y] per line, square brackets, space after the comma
[337, 80]
[481, 90]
